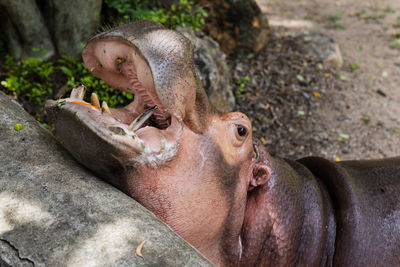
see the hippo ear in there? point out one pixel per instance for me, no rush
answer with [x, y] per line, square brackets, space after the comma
[261, 174]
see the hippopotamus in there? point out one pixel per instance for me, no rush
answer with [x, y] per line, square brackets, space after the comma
[203, 173]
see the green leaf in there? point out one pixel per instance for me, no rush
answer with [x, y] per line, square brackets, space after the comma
[342, 137]
[355, 65]
[4, 83]
[18, 127]
[366, 119]
[300, 77]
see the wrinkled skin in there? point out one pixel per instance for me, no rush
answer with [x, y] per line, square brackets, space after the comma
[203, 174]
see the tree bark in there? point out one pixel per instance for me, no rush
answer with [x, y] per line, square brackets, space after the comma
[53, 26]
[27, 30]
[72, 23]
[237, 25]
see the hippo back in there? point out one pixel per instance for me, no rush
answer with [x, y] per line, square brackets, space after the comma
[366, 201]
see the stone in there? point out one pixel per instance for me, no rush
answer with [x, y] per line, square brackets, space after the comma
[54, 212]
[210, 63]
[323, 48]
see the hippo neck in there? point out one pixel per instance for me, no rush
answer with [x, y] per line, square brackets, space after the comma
[289, 220]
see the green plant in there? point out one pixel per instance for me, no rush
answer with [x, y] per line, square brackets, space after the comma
[355, 65]
[241, 86]
[389, 9]
[336, 16]
[397, 24]
[29, 79]
[395, 44]
[366, 118]
[340, 27]
[185, 13]
[362, 14]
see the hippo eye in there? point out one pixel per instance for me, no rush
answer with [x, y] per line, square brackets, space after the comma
[241, 130]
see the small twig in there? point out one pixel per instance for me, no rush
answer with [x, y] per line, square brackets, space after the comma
[274, 117]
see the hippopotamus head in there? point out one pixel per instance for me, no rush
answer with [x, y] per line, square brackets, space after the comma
[168, 149]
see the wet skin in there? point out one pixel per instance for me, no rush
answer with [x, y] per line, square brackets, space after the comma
[202, 173]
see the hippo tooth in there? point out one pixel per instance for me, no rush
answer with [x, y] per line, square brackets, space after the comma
[104, 108]
[78, 92]
[138, 122]
[95, 100]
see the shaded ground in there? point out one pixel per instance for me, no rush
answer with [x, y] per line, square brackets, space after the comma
[352, 114]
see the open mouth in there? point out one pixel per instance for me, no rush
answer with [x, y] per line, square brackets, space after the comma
[156, 66]
[141, 126]
[140, 113]
[143, 131]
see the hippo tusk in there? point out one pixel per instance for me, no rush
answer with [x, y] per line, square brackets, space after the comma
[104, 108]
[78, 92]
[94, 100]
[138, 122]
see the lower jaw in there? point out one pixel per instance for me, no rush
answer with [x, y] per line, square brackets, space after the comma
[162, 145]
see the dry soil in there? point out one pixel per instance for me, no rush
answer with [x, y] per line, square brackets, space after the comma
[353, 113]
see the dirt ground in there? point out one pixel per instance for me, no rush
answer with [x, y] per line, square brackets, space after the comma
[350, 114]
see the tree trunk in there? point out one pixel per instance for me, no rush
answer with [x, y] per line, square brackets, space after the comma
[53, 26]
[237, 25]
[26, 28]
[72, 23]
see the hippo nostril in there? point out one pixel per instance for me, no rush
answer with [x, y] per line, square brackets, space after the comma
[117, 130]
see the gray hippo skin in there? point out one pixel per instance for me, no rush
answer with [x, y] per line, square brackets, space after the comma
[202, 173]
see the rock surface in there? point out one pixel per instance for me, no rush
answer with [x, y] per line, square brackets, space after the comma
[53, 212]
[323, 48]
[210, 63]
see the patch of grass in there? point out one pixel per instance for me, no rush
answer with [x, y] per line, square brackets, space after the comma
[395, 44]
[366, 118]
[29, 79]
[362, 14]
[340, 27]
[336, 16]
[355, 65]
[242, 84]
[185, 13]
[397, 24]
[389, 9]
[308, 17]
